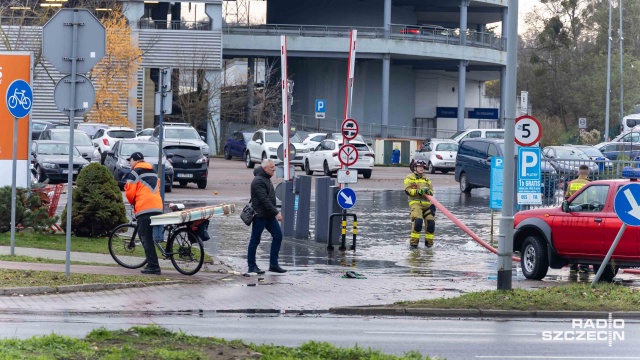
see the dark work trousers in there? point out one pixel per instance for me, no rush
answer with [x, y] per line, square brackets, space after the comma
[257, 227]
[144, 228]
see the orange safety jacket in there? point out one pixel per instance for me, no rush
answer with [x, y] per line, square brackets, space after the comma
[143, 189]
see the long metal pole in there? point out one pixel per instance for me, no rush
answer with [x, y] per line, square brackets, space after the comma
[605, 262]
[621, 68]
[13, 184]
[161, 135]
[505, 238]
[72, 115]
[606, 116]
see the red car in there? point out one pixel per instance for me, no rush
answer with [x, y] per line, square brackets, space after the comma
[580, 231]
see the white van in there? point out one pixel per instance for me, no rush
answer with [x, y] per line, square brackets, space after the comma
[478, 133]
[629, 122]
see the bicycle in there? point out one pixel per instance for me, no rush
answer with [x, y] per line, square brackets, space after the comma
[14, 100]
[184, 247]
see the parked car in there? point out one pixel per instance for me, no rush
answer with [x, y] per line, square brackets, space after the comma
[104, 139]
[473, 165]
[567, 159]
[426, 30]
[439, 154]
[478, 133]
[325, 158]
[580, 231]
[38, 126]
[144, 134]
[595, 154]
[81, 141]
[264, 145]
[183, 133]
[312, 140]
[189, 163]
[632, 135]
[116, 160]
[236, 144]
[338, 136]
[50, 160]
[90, 128]
[614, 150]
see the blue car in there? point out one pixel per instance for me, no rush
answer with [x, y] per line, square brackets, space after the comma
[236, 144]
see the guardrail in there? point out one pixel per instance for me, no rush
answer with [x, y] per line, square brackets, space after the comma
[398, 31]
[173, 25]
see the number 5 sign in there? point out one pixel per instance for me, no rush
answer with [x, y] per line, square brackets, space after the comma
[528, 130]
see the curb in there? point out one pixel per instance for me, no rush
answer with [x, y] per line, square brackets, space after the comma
[423, 312]
[39, 290]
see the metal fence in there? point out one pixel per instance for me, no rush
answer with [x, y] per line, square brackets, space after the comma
[310, 124]
[303, 30]
[439, 34]
[557, 173]
[174, 25]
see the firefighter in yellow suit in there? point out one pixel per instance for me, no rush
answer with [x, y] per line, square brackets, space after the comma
[417, 186]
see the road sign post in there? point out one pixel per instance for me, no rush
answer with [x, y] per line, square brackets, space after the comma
[80, 55]
[626, 207]
[19, 100]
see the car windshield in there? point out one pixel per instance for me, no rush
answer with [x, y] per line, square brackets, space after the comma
[591, 151]
[148, 150]
[184, 133]
[276, 137]
[79, 137]
[571, 154]
[182, 151]
[338, 136]
[91, 129]
[360, 147]
[456, 134]
[56, 149]
[447, 147]
[121, 134]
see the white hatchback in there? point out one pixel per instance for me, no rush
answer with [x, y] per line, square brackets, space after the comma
[439, 154]
[325, 158]
[104, 139]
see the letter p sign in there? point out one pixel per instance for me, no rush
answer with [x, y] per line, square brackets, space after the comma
[529, 163]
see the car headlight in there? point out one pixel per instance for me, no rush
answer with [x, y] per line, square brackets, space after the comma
[49, 165]
[272, 149]
[124, 165]
[205, 149]
[302, 150]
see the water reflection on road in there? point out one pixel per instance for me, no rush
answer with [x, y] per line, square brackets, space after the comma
[383, 238]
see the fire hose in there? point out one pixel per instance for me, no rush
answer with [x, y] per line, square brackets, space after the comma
[477, 238]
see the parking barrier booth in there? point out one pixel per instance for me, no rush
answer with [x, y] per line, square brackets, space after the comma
[343, 230]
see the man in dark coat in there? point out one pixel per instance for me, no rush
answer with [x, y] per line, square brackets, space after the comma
[263, 201]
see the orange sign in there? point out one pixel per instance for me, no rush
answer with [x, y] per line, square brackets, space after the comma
[13, 66]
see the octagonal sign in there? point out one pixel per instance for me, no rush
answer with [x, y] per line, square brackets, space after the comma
[57, 40]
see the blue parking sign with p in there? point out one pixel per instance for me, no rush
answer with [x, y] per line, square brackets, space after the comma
[529, 176]
[321, 106]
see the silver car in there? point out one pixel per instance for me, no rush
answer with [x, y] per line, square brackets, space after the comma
[439, 154]
[81, 140]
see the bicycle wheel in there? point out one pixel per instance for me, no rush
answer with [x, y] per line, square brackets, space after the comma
[186, 251]
[26, 104]
[126, 247]
[13, 102]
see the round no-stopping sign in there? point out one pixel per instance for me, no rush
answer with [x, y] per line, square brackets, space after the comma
[349, 129]
[348, 155]
[528, 130]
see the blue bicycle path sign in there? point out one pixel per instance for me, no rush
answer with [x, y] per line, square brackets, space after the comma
[625, 204]
[346, 198]
[19, 98]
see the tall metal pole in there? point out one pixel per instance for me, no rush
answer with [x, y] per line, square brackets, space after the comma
[505, 238]
[72, 115]
[285, 106]
[161, 82]
[606, 117]
[13, 185]
[621, 67]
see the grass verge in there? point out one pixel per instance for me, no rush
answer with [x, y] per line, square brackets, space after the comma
[30, 259]
[59, 242]
[28, 278]
[575, 297]
[154, 342]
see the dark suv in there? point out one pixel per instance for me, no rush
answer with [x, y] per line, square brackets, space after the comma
[473, 165]
[189, 163]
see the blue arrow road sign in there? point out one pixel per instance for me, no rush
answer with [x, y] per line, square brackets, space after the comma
[19, 98]
[346, 198]
[626, 205]
[321, 106]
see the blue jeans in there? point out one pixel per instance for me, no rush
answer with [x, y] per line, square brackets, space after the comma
[257, 227]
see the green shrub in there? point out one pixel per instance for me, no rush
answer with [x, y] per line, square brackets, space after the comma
[97, 203]
[30, 212]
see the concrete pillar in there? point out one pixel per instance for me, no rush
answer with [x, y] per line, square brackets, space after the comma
[213, 118]
[214, 11]
[387, 18]
[302, 189]
[322, 208]
[133, 11]
[251, 71]
[464, 6]
[462, 89]
[386, 68]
